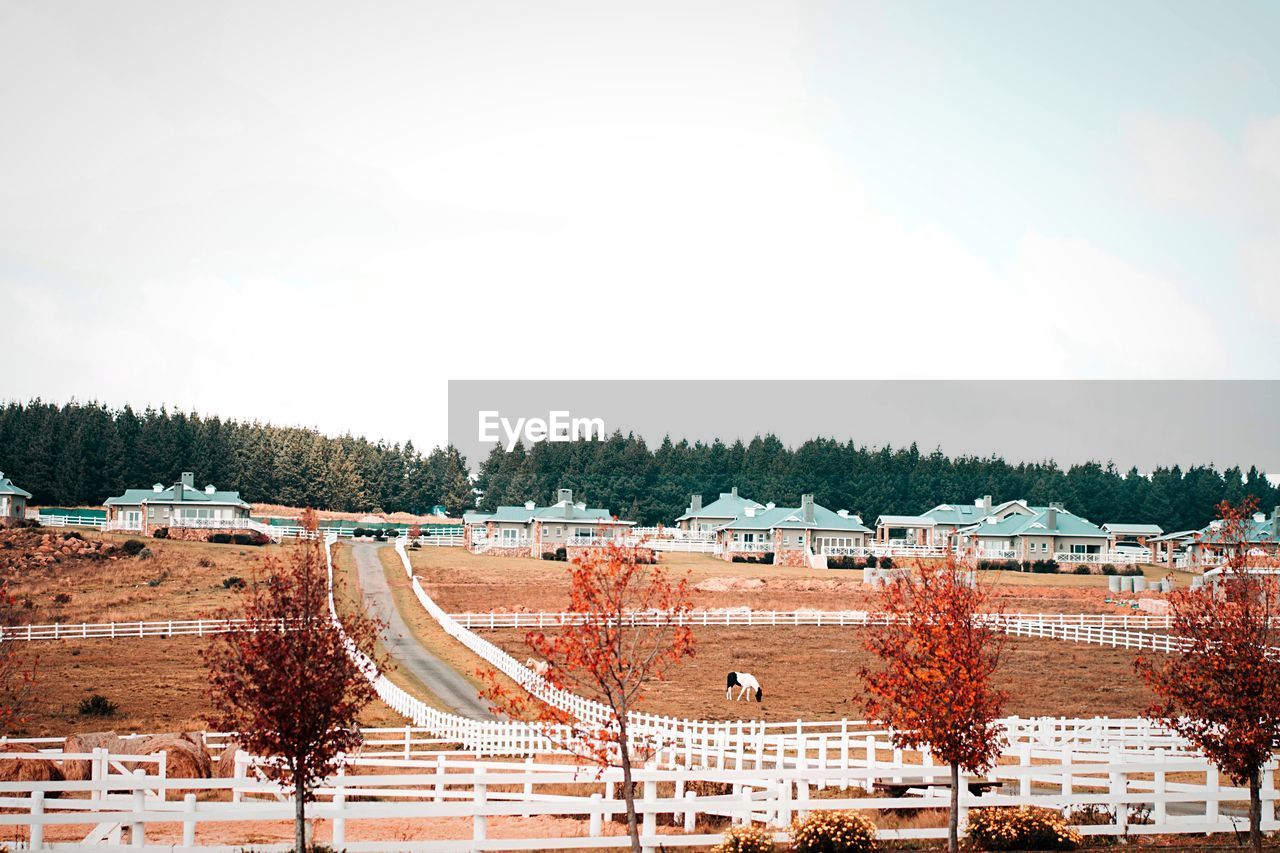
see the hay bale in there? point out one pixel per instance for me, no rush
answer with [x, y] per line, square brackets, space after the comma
[184, 758]
[29, 769]
[79, 769]
[225, 768]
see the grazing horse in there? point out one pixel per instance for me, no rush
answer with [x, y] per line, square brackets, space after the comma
[538, 666]
[746, 682]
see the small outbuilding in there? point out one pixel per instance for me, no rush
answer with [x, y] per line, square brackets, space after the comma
[13, 502]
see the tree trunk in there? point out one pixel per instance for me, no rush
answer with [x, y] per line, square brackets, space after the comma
[299, 816]
[953, 824]
[1255, 810]
[628, 792]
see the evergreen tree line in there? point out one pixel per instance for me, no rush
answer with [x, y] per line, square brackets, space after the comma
[83, 453]
[653, 486]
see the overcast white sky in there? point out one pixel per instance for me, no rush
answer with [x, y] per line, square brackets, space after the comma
[259, 209]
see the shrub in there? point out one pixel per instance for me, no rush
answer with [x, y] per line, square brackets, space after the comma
[132, 547]
[738, 558]
[1108, 569]
[220, 538]
[1011, 565]
[160, 533]
[986, 565]
[1081, 569]
[98, 705]
[73, 534]
[1131, 571]
[548, 555]
[833, 832]
[747, 838]
[872, 560]
[62, 598]
[358, 532]
[204, 563]
[1045, 567]
[145, 554]
[886, 562]
[233, 582]
[1021, 828]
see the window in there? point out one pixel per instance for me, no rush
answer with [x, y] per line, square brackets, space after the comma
[584, 532]
[800, 539]
[151, 512]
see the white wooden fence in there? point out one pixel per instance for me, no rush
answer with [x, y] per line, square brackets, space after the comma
[1181, 794]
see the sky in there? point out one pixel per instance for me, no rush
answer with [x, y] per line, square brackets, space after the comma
[268, 210]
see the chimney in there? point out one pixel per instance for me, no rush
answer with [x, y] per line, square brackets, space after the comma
[566, 496]
[806, 507]
[770, 505]
[188, 480]
[158, 487]
[843, 513]
[695, 504]
[986, 503]
[749, 512]
[530, 505]
[177, 490]
[1051, 518]
[209, 489]
[734, 491]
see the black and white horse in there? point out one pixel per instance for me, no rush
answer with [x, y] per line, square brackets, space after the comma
[746, 683]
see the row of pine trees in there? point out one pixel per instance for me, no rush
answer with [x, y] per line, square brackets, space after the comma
[82, 453]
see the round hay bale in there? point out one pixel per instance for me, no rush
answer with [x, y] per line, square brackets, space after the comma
[225, 767]
[79, 768]
[183, 758]
[29, 769]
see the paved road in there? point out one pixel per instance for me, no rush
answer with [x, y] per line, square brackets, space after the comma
[454, 690]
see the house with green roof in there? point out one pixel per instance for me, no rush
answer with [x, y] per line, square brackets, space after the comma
[707, 519]
[937, 528]
[531, 530]
[1212, 546]
[1038, 533]
[792, 536]
[181, 506]
[13, 502]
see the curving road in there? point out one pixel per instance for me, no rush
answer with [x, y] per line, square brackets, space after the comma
[410, 655]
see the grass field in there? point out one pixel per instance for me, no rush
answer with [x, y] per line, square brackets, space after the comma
[460, 581]
[158, 684]
[181, 580]
[812, 673]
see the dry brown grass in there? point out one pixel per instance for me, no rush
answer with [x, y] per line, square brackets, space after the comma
[812, 673]
[182, 580]
[459, 580]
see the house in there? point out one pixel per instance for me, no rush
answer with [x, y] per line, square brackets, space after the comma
[13, 502]
[1022, 532]
[180, 506]
[531, 530]
[791, 536]
[1209, 547]
[938, 528]
[1133, 534]
[707, 519]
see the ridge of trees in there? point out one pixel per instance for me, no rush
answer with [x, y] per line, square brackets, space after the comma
[82, 453]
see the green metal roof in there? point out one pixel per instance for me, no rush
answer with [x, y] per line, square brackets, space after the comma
[728, 505]
[8, 488]
[137, 497]
[555, 512]
[793, 518]
[1066, 524]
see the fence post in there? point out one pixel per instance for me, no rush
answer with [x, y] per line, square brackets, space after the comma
[189, 820]
[241, 762]
[479, 821]
[528, 785]
[649, 826]
[1159, 813]
[37, 822]
[137, 829]
[690, 810]
[1119, 790]
[440, 768]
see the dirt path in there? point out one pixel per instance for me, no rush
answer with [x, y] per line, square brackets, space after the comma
[410, 654]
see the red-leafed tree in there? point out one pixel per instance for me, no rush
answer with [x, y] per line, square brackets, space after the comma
[286, 683]
[1222, 690]
[607, 657]
[939, 654]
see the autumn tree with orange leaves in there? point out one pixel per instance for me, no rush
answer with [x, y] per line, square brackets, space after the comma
[17, 668]
[1222, 690]
[939, 654]
[607, 657]
[286, 684]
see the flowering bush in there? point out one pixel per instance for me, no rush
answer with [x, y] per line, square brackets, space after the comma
[833, 832]
[747, 838]
[1022, 828]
